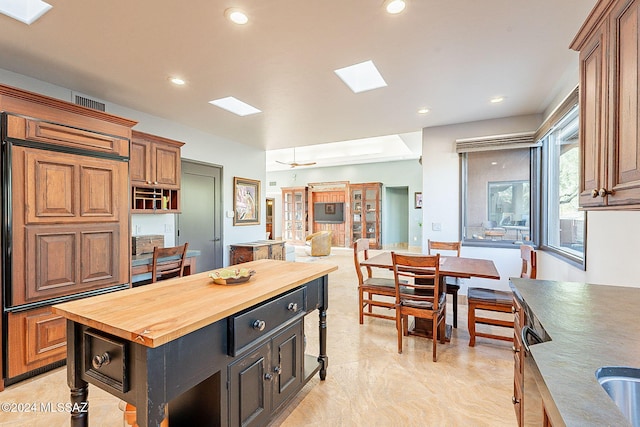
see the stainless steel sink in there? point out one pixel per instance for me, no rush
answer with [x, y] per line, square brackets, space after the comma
[622, 384]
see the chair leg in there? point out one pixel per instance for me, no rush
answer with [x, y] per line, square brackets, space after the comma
[455, 309]
[434, 332]
[399, 329]
[369, 305]
[361, 308]
[472, 324]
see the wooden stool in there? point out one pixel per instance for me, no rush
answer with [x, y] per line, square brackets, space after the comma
[492, 300]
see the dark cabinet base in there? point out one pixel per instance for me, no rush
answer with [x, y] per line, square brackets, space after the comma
[195, 375]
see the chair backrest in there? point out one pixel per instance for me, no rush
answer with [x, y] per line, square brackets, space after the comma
[361, 253]
[436, 247]
[168, 262]
[529, 262]
[417, 278]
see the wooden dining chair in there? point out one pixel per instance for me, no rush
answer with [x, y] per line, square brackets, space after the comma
[372, 291]
[497, 301]
[168, 262]
[452, 283]
[419, 294]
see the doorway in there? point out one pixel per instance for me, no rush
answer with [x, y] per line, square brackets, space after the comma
[271, 202]
[397, 222]
[200, 220]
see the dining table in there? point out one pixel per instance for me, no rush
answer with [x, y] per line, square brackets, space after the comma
[450, 266]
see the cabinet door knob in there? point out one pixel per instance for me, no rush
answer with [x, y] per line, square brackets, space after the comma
[100, 360]
[292, 307]
[277, 369]
[268, 376]
[595, 193]
[514, 400]
[513, 309]
[514, 349]
[604, 192]
[259, 325]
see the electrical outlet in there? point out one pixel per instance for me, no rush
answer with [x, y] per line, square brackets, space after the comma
[168, 228]
[436, 226]
[138, 229]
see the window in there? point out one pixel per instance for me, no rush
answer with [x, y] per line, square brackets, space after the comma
[497, 196]
[564, 223]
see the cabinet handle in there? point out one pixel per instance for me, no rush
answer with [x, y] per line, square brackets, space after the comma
[292, 307]
[259, 325]
[155, 182]
[514, 349]
[268, 376]
[595, 193]
[100, 360]
[277, 369]
[513, 309]
[604, 192]
[514, 400]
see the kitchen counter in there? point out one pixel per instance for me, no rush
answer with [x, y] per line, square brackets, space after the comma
[155, 314]
[590, 326]
[193, 346]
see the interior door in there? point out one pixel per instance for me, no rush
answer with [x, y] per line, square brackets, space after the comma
[200, 222]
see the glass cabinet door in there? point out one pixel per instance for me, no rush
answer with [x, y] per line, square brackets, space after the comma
[356, 209]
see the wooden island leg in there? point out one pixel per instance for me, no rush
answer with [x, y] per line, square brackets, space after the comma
[79, 388]
[323, 358]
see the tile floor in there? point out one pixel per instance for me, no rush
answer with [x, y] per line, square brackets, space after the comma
[368, 383]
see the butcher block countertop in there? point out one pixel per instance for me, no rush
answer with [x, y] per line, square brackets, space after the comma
[155, 314]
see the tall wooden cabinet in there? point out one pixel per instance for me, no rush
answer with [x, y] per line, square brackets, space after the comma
[65, 220]
[365, 213]
[609, 43]
[154, 172]
[294, 214]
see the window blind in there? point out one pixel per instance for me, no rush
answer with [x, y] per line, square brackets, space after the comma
[497, 142]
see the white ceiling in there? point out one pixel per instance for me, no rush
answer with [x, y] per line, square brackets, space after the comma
[451, 56]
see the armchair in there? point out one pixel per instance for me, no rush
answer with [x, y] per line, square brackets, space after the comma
[318, 243]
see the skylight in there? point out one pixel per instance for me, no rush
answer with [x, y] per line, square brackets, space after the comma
[27, 11]
[361, 77]
[235, 106]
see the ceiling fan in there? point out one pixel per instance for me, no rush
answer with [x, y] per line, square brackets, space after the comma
[294, 163]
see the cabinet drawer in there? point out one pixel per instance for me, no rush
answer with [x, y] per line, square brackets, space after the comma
[36, 338]
[106, 359]
[257, 322]
[68, 136]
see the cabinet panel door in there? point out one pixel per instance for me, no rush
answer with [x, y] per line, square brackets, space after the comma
[249, 390]
[287, 363]
[593, 91]
[69, 188]
[36, 338]
[139, 162]
[167, 166]
[624, 152]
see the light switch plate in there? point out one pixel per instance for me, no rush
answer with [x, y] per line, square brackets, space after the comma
[229, 214]
[436, 226]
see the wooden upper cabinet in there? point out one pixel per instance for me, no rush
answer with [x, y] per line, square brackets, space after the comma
[609, 44]
[154, 161]
[154, 172]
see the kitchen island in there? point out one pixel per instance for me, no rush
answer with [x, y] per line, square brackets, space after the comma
[590, 326]
[213, 354]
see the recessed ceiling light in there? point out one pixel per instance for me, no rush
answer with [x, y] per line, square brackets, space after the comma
[236, 16]
[494, 163]
[394, 6]
[361, 77]
[177, 81]
[497, 99]
[423, 111]
[235, 106]
[27, 11]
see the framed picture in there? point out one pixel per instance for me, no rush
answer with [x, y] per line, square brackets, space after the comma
[246, 201]
[330, 209]
[418, 200]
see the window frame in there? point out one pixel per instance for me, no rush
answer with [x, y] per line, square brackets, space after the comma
[569, 257]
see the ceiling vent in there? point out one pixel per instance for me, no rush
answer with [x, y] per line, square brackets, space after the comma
[88, 102]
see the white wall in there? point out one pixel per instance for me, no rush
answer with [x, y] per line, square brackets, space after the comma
[235, 158]
[406, 173]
